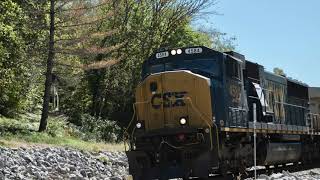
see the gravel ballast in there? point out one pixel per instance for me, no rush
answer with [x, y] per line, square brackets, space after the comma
[313, 174]
[67, 163]
[61, 163]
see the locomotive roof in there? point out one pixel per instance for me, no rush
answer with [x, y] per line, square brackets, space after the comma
[279, 78]
[166, 55]
[297, 82]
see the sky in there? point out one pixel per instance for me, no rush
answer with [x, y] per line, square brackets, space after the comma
[274, 33]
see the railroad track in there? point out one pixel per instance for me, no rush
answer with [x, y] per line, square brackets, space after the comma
[250, 174]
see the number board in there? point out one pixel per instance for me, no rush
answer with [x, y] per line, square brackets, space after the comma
[162, 54]
[193, 50]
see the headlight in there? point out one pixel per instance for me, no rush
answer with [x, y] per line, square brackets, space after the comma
[179, 51]
[183, 121]
[138, 125]
[173, 52]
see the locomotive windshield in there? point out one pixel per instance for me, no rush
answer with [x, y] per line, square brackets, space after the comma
[201, 66]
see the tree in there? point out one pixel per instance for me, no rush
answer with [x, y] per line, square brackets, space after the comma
[148, 25]
[46, 96]
[212, 38]
[279, 71]
[95, 52]
[21, 41]
[74, 16]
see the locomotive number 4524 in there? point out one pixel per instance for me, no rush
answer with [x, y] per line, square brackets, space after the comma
[193, 50]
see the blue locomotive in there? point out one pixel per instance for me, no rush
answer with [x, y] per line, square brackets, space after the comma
[194, 116]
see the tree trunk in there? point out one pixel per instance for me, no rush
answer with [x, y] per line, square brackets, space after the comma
[46, 96]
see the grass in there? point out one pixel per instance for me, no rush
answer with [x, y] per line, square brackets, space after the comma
[45, 140]
[22, 132]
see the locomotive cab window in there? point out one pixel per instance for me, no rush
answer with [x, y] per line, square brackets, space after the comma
[157, 68]
[233, 68]
[169, 67]
[162, 67]
[209, 66]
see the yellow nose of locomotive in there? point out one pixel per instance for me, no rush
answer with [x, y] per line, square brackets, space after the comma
[174, 99]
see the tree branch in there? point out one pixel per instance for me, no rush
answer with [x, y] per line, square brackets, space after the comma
[87, 8]
[89, 51]
[85, 23]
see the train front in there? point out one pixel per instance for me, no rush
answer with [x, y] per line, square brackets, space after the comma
[173, 132]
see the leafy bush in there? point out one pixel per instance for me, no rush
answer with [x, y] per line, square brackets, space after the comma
[56, 126]
[99, 129]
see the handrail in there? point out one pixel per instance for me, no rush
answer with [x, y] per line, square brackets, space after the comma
[211, 144]
[239, 109]
[313, 114]
[311, 117]
[126, 134]
[291, 105]
[132, 119]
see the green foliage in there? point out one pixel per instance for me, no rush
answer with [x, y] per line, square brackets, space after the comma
[144, 30]
[21, 131]
[75, 99]
[11, 46]
[17, 38]
[98, 129]
[96, 101]
[28, 123]
[186, 36]
[220, 41]
[279, 71]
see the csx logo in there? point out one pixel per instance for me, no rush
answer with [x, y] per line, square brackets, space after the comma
[168, 99]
